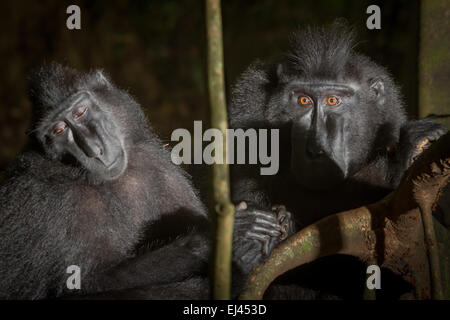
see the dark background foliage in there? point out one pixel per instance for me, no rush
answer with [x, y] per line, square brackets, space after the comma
[156, 49]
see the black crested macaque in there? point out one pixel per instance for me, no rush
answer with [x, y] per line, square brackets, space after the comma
[97, 190]
[345, 140]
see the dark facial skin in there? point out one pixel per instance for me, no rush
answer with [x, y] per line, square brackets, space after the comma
[88, 133]
[323, 123]
[319, 157]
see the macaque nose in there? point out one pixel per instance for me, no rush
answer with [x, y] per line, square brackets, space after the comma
[313, 150]
[315, 154]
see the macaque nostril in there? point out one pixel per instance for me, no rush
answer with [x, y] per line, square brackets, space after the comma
[100, 153]
[314, 153]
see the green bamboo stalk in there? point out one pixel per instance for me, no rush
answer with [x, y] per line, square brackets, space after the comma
[221, 183]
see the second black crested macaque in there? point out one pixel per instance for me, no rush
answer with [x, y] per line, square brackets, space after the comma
[345, 140]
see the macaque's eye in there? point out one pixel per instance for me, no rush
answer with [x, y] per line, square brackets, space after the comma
[59, 128]
[333, 101]
[79, 112]
[304, 101]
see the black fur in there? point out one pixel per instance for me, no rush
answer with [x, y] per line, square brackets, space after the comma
[142, 234]
[53, 216]
[379, 140]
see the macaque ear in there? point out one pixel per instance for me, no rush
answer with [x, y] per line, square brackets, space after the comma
[377, 88]
[102, 78]
[280, 72]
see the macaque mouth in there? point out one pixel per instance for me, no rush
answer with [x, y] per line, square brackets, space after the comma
[112, 164]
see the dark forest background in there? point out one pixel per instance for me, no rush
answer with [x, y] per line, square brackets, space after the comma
[156, 49]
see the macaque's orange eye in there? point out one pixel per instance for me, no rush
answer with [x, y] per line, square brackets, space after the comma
[59, 128]
[333, 101]
[78, 113]
[304, 100]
